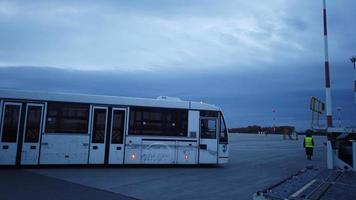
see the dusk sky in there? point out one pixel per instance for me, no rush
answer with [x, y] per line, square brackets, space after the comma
[245, 56]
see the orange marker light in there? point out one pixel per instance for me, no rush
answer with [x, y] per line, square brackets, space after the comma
[133, 157]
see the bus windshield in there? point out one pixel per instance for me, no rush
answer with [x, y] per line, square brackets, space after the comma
[223, 138]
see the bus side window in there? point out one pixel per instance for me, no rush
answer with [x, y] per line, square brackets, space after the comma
[67, 118]
[208, 128]
[158, 122]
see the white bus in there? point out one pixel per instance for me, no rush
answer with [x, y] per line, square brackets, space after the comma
[39, 128]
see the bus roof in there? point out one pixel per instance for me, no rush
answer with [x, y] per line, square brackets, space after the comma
[165, 102]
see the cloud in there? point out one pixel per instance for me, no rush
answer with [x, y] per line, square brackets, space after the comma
[246, 98]
[8, 9]
[234, 35]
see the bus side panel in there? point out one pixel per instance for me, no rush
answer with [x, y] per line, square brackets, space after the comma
[193, 124]
[223, 153]
[158, 152]
[187, 152]
[132, 150]
[64, 149]
[193, 132]
[140, 150]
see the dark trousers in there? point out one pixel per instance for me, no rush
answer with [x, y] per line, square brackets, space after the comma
[309, 152]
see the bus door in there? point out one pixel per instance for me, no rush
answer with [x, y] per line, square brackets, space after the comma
[98, 130]
[32, 134]
[118, 128]
[208, 143]
[9, 132]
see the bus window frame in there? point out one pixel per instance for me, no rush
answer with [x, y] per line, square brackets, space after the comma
[124, 125]
[45, 121]
[184, 119]
[216, 127]
[226, 133]
[10, 103]
[26, 122]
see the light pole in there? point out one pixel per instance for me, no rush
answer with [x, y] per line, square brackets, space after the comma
[274, 120]
[353, 60]
[339, 114]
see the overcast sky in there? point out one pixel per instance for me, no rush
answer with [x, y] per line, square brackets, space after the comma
[245, 56]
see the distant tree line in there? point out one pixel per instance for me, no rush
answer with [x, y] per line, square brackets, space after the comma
[312, 132]
[259, 129]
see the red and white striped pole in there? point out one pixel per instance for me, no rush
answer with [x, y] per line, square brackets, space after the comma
[329, 119]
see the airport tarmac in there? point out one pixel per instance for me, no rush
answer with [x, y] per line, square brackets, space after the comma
[256, 162]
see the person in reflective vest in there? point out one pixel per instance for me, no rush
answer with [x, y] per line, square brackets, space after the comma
[309, 146]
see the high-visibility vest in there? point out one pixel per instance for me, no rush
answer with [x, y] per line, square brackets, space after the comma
[308, 142]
